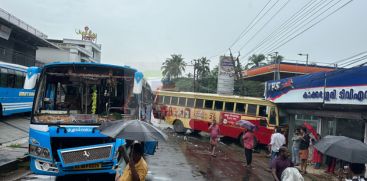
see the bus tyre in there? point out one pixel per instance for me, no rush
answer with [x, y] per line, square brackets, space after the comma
[178, 127]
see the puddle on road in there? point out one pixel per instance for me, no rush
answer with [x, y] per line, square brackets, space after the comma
[227, 165]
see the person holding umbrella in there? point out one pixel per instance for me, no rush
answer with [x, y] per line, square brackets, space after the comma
[136, 168]
[248, 144]
[141, 131]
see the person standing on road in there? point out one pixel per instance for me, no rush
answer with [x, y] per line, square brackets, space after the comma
[280, 163]
[277, 140]
[136, 168]
[358, 170]
[317, 156]
[303, 153]
[214, 133]
[248, 144]
[295, 147]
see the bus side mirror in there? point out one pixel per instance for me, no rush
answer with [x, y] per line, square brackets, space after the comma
[31, 77]
[138, 83]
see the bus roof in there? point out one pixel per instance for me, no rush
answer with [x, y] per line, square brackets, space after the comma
[233, 98]
[13, 66]
[88, 63]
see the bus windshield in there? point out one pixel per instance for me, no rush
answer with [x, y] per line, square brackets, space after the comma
[84, 94]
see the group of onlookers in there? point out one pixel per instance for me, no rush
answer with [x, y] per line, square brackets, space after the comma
[302, 148]
[281, 165]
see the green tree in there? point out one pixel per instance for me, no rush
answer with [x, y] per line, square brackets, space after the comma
[184, 84]
[173, 67]
[277, 59]
[202, 67]
[256, 61]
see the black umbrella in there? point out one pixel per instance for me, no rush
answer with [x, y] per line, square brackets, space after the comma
[132, 130]
[344, 148]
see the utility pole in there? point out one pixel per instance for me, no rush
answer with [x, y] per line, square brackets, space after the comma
[276, 66]
[195, 73]
[304, 54]
[237, 70]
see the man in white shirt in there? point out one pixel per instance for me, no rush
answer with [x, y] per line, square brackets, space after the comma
[277, 140]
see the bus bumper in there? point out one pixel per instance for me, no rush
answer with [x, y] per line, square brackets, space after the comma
[42, 167]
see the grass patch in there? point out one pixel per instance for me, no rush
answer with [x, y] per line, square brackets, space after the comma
[15, 146]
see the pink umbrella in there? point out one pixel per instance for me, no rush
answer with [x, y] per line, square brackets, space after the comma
[311, 129]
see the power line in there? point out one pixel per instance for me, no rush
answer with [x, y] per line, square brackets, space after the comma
[253, 20]
[283, 26]
[299, 26]
[262, 16]
[313, 25]
[284, 5]
[355, 61]
[346, 59]
[249, 27]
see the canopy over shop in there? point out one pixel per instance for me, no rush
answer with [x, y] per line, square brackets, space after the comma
[334, 103]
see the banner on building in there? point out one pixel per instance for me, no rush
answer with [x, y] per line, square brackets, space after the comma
[345, 86]
[226, 75]
[5, 32]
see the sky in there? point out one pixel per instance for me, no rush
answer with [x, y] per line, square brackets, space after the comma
[143, 33]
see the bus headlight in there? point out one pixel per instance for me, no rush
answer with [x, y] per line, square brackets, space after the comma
[39, 151]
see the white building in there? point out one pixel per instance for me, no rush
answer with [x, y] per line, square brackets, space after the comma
[70, 50]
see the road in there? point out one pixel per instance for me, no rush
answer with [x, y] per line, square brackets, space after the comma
[187, 157]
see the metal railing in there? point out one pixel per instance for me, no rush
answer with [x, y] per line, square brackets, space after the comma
[18, 22]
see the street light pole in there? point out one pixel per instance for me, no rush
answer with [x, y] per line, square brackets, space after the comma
[194, 65]
[304, 54]
[277, 65]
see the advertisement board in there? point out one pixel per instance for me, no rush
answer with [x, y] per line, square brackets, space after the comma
[345, 86]
[226, 75]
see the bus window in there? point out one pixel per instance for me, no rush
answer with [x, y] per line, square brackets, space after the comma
[251, 109]
[218, 105]
[262, 111]
[3, 77]
[272, 116]
[11, 79]
[208, 104]
[182, 101]
[229, 106]
[167, 100]
[19, 79]
[190, 102]
[160, 99]
[240, 108]
[199, 103]
[174, 101]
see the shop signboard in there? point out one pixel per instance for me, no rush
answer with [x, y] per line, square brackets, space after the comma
[345, 86]
[225, 76]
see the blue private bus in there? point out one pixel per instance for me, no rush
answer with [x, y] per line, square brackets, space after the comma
[15, 94]
[71, 101]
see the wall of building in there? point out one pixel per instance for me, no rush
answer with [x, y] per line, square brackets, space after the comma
[18, 52]
[47, 55]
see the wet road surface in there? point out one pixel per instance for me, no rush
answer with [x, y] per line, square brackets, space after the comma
[188, 158]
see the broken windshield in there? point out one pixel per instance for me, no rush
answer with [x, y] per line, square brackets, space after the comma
[85, 95]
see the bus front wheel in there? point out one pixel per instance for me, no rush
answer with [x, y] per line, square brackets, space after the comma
[179, 127]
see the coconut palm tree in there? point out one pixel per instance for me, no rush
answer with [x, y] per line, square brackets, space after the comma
[202, 67]
[173, 67]
[256, 61]
[277, 59]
